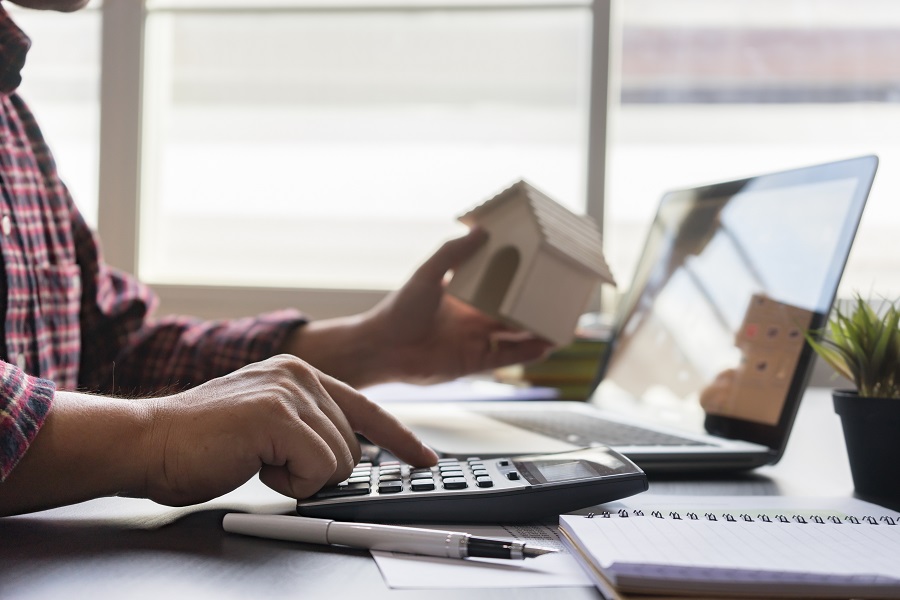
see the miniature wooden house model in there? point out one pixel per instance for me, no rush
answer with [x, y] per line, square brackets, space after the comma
[539, 267]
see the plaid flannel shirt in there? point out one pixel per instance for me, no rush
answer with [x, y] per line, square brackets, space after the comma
[72, 322]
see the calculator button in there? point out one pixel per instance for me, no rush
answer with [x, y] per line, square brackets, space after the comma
[476, 465]
[512, 476]
[455, 483]
[391, 463]
[473, 458]
[443, 461]
[479, 472]
[451, 474]
[390, 487]
[425, 475]
[351, 489]
[363, 465]
[484, 482]
[358, 479]
[420, 470]
[503, 463]
[389, 470]
[390, 477]
[422, 485]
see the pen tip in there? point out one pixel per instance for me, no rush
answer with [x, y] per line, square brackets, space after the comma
[535, 551]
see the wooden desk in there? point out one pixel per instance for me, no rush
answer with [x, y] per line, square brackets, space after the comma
[127, 548]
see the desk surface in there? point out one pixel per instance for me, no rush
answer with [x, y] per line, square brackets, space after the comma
[127, 548]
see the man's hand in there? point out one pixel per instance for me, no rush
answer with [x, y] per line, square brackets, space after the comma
[280, 417]
[433, 336]
[418, 333]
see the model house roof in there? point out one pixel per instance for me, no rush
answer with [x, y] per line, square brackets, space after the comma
[576, 237]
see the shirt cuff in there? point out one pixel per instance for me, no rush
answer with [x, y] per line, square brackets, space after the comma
[24, 404]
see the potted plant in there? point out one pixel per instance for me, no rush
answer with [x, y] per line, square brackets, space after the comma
[864, 347]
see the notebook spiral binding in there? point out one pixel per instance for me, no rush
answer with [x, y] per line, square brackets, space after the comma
[728, 517]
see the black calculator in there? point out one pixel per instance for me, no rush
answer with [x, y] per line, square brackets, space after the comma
[475, 490]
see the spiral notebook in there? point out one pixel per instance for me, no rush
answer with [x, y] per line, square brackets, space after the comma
[851, 548]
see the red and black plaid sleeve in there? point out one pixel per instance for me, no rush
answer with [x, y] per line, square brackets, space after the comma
[24, 402]
[70, 321]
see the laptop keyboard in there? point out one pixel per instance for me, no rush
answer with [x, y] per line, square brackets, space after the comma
[584, 430]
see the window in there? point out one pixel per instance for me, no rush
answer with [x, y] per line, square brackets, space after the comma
[714, 90]
[332, 146]
[298, 145]
[61, 84]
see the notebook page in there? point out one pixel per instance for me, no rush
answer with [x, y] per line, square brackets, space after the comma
[811, 548]
[739, 548]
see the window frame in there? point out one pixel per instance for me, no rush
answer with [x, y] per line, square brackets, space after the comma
[123, 142]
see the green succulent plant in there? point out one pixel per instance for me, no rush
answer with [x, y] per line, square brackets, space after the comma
[864, 347]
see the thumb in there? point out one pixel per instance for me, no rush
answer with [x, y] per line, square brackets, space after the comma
[452, 254]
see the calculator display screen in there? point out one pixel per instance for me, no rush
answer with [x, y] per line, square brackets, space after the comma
[564, 471]
[596, 463]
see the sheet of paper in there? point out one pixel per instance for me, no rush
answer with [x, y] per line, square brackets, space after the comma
[403, 571]
[460, 390]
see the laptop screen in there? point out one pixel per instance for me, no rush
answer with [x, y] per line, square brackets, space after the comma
[710, 335]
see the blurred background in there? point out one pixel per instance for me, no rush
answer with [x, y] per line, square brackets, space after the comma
[313, 153]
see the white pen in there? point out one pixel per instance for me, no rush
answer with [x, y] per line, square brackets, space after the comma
[390, 538]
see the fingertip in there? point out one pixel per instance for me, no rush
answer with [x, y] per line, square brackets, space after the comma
[431, 457]
[423, 457]
[385, 431]
[453, 252]
[477, 232]
[509, 353]
[472, 241]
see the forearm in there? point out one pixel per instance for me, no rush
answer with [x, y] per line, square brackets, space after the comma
[281, 418]
[88, 447]
[346, 348]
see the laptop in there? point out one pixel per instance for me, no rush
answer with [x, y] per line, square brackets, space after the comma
[708, 361]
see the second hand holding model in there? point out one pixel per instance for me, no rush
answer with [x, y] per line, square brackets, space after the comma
[389, 538]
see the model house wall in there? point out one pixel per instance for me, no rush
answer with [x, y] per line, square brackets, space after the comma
[539, 266]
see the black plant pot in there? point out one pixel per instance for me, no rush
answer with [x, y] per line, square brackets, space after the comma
[872, 434]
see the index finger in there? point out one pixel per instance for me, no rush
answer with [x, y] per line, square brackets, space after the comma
[378, 425]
